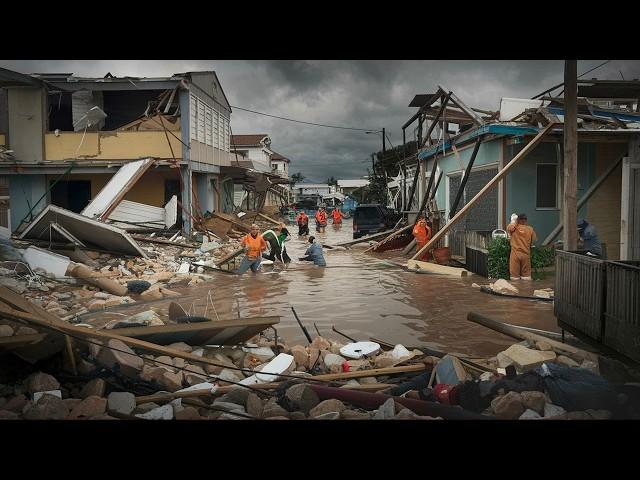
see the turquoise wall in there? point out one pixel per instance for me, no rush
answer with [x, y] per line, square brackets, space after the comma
[521, 184]
[25, 191]
[489, 152]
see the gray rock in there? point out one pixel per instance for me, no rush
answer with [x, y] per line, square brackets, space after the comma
[237, 395]
[327, 406]
[231, 416]
[118, 353]
[227, 375]
[89, 407]
[145, 407]
[48, 407]
[183, 347]
[7, 415]
[304, 397]
[274, 410]
[509, 406]
[386, 411]
[328, 416]
[6, 331]
[333, 361]
[228, 407]
[254, 405]
[534, 400]
[122, 402]
[529, 415]
[551, 410]
[164, 412]
[41, 382]
[566, 361]
[297, 416]
[354, 415]
[96, 387]
[599, 414]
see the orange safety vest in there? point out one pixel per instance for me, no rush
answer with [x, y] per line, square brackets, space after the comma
[422, 232]
[256, 245]
[303, 219]
[337, 216]
[321, 217]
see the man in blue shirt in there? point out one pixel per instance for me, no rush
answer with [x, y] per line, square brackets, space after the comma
[589, 236]
[314, 253]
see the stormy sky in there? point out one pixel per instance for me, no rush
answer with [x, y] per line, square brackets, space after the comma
[368, 94]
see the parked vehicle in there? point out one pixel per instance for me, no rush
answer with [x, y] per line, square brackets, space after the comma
[372, 218]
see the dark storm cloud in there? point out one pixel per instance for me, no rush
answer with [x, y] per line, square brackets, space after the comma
[361, 94]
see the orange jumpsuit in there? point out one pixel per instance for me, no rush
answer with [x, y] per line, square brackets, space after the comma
[337, 216]
[522, 236]
[422, 234]
[256, 245]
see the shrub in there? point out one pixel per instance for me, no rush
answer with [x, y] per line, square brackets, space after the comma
[498, 259]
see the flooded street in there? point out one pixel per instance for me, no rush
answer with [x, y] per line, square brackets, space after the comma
[363, 295]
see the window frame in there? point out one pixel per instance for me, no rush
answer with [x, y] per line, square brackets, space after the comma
[557, 189]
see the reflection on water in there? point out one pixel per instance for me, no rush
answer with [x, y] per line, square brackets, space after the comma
[364, 296]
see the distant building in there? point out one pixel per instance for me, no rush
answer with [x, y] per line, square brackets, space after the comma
[349, 186]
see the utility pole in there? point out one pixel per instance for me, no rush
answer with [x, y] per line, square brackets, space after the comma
[569, 207]
[373, 164]
[384, 142]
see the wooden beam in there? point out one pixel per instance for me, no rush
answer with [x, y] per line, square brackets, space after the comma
[462, 106]
[231, 256]
[269, 218]
[592, 189]
[492, 183]
[445, 101]
[418, 265]
[364, 239]
[467, 172]
[569, 205]
[140, 238]
[390, 237]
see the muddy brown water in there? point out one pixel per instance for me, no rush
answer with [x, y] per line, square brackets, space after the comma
[363, 295]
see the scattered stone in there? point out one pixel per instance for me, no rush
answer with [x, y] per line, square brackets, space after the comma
[551, 410]
[354, 415]
[7, 415]
[503, 360]
[38, 395]
[274, 410]
[509, 406]
[386, 411]
[49, 407]
[84, 367]
[368, 380]
[145, 407]
[166, 362]
[303, 396]
[599, 414]
[89, 407]
[544, 346]
[181, 346]
[171, 381]
[300, 355]
[297, 416]
[188, 413]
[96, 305]
[567, 362]
[119, 354]
[334, 362]
[72, 403]
[579, 416]
[328, 416]
[16, 403]
[26, 331]
[502, 286]
[6, 331]
[326, 406]
[122, 402]
[95, 387]
[534, 401]
[321, 343]
[102, 295]
[237, 395]
[164, 412]
[229, 376]
[40, 382]
[169, 293]
[254, 405]
[591, 366]
[529, 415]
[153, 293]
[525, 358]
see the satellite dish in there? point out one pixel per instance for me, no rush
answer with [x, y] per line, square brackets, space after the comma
[93, 117]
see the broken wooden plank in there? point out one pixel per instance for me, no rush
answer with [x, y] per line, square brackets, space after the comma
[223, 332]
[364, 239]
[17, 341]
[427, 267]
[243, 227]
[231, 256]
[269, 218]
[492, 183]
[390, 237]
[140, 238]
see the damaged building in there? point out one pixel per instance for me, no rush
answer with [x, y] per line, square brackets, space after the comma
[63, 138]
[461, 149]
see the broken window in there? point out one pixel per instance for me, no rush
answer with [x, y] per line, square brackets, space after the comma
[547, 185]
[72, 195]
[60, 112]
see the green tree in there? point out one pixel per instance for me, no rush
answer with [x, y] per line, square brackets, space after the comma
[296, 178]
[332, 181]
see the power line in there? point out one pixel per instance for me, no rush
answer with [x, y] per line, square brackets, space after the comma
[561, 84]
[301, 121]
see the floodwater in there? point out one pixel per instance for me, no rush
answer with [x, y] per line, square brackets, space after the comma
[363, 295]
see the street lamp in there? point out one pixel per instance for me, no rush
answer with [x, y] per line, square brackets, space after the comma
[384, 135]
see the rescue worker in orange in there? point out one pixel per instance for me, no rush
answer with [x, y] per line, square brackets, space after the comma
[422, 234]
[321, 219]
[337, 216]
[522, 236]
[254, 245]
[303, 223]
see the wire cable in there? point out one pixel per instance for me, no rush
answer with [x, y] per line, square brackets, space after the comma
[301, 121]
